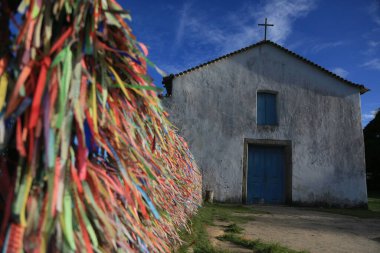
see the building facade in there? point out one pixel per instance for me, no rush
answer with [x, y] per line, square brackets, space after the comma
[268, 126]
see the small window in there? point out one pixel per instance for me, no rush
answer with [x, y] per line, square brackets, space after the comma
[266, 108]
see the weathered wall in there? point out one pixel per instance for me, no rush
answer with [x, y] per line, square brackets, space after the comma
[214, 108]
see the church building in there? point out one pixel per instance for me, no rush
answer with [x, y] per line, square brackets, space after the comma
[268, 126]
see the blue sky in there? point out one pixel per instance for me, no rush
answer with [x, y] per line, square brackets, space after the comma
[341, 35]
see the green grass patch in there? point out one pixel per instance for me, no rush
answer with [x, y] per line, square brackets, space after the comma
[372, 212]
[256, 245]
[374, 202]
[233, 228]
[198, 238]
[237, 208]
[233, 213]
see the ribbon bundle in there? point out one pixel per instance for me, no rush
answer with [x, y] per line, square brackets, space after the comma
[96, 165]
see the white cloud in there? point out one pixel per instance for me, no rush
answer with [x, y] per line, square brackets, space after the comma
[340, 72]
[373, 47]
[369, 116]
[283, 13]
[170, 68]
[235, 29]
[373, 43]
[322, 46]
[183, 20]
[239, 28]
[372, 64]
[374, 11]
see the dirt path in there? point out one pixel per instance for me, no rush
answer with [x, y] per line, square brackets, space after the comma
[302, 229]
[218, 230]
[314, 231]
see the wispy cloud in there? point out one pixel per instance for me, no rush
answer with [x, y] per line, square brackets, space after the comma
[311, 45]
[327, 45]
[235, 29]
[369, 116]
[340, 72]
[372, 64]
[372, 35]
[373, 48]
[170, 68]
[283, 13]
[183, 20]
[373, 43]
[374, 11]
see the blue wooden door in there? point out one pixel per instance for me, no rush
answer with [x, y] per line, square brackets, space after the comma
[266, 175]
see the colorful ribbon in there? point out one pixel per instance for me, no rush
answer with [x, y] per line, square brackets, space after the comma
[99, 168]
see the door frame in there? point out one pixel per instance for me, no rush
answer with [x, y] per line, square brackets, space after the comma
[287, 145]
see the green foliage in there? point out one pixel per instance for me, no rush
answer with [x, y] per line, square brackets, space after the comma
[372, 152]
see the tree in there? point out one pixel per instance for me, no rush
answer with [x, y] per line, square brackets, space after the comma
[372, 152]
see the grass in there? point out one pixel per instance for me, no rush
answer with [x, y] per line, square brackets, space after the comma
[199, 241]
[198, 238]
[372, 212]
[374, 202]
[233, 228]
[256, 245]
[227, 212]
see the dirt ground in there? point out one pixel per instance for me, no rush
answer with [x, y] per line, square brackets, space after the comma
[302, 229]
[218, 230]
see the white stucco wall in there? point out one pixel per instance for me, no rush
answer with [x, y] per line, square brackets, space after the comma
[214, 108]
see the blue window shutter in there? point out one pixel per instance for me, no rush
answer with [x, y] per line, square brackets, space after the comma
[271, 114]
[261, 109]
[266, 109]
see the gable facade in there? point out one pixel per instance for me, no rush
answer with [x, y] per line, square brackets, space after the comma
[306, 145]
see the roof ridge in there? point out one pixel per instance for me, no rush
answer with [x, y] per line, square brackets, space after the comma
[169, 78]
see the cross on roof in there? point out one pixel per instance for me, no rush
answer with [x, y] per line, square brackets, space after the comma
[266, 26]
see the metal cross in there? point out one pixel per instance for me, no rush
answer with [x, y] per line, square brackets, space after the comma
[266, 26]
